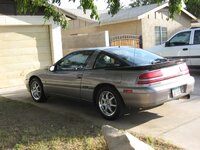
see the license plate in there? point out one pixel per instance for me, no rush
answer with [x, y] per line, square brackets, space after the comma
[176, 91]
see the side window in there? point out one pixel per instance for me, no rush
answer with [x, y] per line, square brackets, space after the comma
[182, 38]
[197, 37]
[105, 61]
[74, 61]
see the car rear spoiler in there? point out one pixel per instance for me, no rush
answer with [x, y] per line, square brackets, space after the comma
[150, 67]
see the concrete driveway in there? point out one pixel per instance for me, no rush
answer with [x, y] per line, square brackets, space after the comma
[177, 121]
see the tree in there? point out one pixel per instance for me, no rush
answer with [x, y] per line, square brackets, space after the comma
[137, 3]
[31, 6]
[193, 6]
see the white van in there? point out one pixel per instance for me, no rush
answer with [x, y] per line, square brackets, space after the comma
[184, 44]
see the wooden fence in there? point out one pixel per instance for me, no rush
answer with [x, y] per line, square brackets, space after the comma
[125, 40]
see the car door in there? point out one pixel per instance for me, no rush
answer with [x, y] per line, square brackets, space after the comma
[195, 49]
[178, 46]
[100, 72]
[66, 78]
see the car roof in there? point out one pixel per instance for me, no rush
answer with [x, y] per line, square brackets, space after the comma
[190, 29]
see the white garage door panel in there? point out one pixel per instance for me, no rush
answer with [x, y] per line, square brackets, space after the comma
[24, 43]
[18, 36]
[24, 58]
[21, 67]
[24, 29]
[22, 49]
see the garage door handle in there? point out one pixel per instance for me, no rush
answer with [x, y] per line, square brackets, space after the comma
[185, 49]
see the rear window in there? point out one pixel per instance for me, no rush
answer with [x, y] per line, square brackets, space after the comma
[136, 57]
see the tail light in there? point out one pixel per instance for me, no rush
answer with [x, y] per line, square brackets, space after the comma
[151, 74]
[150, 77]
[159, 75]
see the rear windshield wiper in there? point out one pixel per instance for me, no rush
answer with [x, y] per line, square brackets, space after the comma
[159, 60]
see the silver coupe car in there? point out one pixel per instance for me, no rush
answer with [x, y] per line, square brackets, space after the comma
[113, 78]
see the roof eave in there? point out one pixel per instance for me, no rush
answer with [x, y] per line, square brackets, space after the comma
[67, 14]
[163, 6]
[153, 10]
[119, 21]
[189, 14]
[88, 20]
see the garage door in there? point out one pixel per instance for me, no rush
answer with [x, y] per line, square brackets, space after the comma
[22, 49]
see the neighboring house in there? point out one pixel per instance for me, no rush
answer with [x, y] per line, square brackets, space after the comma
[150, 21]
[26, 43]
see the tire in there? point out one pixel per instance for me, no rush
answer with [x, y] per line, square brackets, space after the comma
[109, 103]
[36, 90]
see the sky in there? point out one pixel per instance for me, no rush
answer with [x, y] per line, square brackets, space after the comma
[101, 4]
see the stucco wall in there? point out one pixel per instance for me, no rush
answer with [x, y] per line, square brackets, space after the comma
[74, 42]
[76, 24]
[160, 19]
[94, 35]
[132, 27]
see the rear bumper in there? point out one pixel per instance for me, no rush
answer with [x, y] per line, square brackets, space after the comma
[146, 97]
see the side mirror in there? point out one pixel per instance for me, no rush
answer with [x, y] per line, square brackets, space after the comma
[167, 44]
[52, 68]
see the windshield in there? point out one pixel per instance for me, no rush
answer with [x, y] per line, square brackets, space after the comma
[137, 57]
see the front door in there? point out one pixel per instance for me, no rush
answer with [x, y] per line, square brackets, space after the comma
[195, 49]
[179, 46]
[67, 76]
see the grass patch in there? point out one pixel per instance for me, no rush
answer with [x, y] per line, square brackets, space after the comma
[25, 126]
[157, 144]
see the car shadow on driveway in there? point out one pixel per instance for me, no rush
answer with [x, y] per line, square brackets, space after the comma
[83, 109]
[89, 111]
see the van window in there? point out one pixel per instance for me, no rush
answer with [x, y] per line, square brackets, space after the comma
[197, 37]
[179, 39]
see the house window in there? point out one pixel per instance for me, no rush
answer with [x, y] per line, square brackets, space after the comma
[160, 35]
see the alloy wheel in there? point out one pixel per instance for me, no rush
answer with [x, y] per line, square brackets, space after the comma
[36, 90]
[107, 103]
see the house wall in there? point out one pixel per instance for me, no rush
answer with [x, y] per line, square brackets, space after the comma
[131, 27]
[95, 35]
[76, 24]
[160, 19]
[74, 42]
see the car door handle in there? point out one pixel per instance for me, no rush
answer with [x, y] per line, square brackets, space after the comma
[79, 76]
[185, 49]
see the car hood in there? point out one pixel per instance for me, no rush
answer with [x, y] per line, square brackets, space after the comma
[157, 49]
